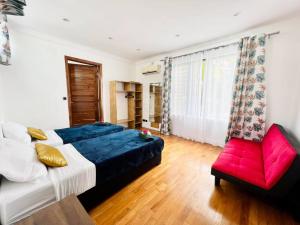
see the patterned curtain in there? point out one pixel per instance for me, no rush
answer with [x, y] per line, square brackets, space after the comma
[12, 7]
[248, 110]
[166, 92]
[4, 41]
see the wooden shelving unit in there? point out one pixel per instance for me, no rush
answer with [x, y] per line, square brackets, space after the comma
[134, 94]
[123, 121]
[156, 118]
[138, 105]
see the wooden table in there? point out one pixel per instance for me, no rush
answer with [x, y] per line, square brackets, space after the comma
[68, 211]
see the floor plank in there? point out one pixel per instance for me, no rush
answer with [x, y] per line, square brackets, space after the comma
[181, 191]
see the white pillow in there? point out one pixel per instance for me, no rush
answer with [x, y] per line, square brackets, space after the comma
[18, 162]
[16, 132]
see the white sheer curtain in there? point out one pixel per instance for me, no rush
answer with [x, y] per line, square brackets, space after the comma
[201, 94]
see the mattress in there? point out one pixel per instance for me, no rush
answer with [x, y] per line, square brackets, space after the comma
[117, 153]
[18, 200]
[73, 134]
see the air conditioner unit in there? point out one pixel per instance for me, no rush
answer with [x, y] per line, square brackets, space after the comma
[150, 69]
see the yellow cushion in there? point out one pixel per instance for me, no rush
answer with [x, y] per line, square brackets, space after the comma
[37, 133]
[50, 156]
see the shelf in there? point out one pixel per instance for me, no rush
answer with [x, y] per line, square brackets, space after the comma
[124, 121]
[133, 91]
[138, 123]
[126, 82]
[124, 91]
[155, 116]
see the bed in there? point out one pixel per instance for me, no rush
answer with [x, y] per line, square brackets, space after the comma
[68, 135]
[118, 151]
[19, 200]
[119, 158]
[96, 168]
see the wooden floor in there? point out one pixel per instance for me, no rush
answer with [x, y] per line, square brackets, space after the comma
[181, 191]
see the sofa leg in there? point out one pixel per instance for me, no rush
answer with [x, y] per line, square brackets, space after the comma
[217, 181]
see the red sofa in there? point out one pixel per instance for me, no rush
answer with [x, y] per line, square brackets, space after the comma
[270, 167]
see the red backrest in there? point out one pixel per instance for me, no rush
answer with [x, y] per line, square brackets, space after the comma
[278, 155]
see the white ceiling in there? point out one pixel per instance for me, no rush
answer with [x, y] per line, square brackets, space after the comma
[148, 25]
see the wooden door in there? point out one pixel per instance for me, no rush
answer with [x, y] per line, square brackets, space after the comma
[84, 94]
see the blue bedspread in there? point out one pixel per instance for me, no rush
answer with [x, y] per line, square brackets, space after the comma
[88, 131]
[118, 153]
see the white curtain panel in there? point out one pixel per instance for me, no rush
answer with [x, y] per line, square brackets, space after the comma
[201, 93]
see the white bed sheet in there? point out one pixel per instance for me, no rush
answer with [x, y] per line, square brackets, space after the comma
[19, 200]
[53, 139]
[75, 178]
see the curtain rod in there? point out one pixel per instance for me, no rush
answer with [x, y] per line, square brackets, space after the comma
[220, 46]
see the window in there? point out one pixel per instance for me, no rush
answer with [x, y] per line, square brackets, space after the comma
[201, 94]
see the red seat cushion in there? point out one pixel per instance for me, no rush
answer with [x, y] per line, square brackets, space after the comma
[278, 155]
[242, 159]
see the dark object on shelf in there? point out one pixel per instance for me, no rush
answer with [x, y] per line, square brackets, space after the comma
[129, 96]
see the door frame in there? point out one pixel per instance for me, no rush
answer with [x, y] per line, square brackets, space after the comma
[99, 79]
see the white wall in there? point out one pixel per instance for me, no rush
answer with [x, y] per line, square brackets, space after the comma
[282, 70]
[283, 76]
[296, 127]
[36, 81]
